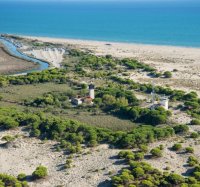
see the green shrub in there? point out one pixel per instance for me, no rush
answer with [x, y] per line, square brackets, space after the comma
[189, 150]
[139, 156]
[10, 181]
[167, 74]
[194, 135]
[161, 147]
[21, 177]
[156, 152]
[35, 133]
[176, 179]
[197, 175]
[195, 122]
[8, 138]
[176, 147]
[68, 163]
[192, 161]
[8, 123]
[138, 172]
[147, 183]
[143, 148]
[40, 172]
[192, 180]
[181, 129]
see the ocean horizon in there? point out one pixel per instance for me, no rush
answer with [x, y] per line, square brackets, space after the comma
[158, 23]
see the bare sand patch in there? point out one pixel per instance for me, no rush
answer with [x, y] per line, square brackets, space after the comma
[26, 153]
[176, 161]
[52, 55]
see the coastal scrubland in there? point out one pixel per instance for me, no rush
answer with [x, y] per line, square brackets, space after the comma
[119, 140]
[184, 61]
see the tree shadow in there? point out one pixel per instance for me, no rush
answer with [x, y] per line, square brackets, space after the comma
[148, 157]
[29, 178]
[106, 183]
[60, 167]
[118, 160]
[188, 172]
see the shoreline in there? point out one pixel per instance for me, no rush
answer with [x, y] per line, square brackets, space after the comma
[77, 40]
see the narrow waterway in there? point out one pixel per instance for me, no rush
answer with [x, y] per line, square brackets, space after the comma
[14, 51]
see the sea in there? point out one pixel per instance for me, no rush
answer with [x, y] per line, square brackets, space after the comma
[165, 22]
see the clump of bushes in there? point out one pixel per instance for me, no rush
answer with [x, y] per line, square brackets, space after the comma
[167, 74]
[181, 129]
[8, 138]
[192, 161]
[130, 156]
[71, 134]
[194, 135]
[40, 172]
[21, 177]
[189, 150]
[8, 180]
[68, 163]
[144, 175]
[177, 147]
[143, 148]
[195, 122]
[51, 99]
[156, 152]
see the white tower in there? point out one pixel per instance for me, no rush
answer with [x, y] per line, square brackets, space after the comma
[164, 102]
[91, 91]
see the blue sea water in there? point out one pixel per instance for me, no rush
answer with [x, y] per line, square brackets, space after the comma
[165, 23]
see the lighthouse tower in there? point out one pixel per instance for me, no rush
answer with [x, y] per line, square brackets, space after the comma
[164, 102]
[91, 91]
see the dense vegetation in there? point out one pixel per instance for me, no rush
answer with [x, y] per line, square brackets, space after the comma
[54, 99]
[191, 101]
[72, 133]
[50, 75]
[8, 180]
[40, 172]
[112, 99]
[141, 174]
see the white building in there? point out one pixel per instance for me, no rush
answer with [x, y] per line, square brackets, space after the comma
[91, 91]
[164, 102]
[77, 101]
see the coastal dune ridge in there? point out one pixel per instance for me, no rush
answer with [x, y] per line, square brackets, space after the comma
[185, 60]
[122, 50]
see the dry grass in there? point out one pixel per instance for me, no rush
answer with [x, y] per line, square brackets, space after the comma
[13, 95]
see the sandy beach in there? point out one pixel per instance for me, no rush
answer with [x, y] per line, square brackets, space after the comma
[184, 60]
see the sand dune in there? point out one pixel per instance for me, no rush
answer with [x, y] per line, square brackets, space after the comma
[51, 55]
[164, 58]
[25, 154]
